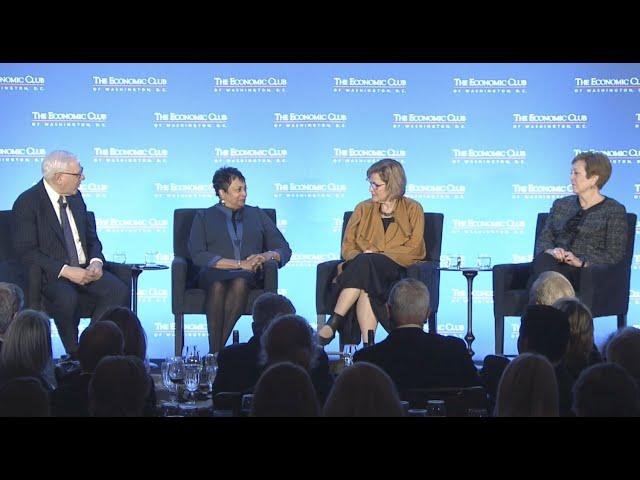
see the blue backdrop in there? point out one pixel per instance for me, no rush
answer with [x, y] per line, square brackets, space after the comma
[488, 145]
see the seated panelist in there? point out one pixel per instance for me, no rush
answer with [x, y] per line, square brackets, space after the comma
[229, 242]
[384, 236]
[52, 230]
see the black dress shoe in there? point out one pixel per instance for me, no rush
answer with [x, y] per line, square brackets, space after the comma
[334, 323]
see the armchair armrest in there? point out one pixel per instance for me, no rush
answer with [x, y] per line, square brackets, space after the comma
[34, 294]
[605, 289]
[122, 271]
[510, 276]
[270, 276]
[427, 272]
[178, 283]
[325, 272]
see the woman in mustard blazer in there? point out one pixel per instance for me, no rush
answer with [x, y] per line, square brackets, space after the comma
[384, 235]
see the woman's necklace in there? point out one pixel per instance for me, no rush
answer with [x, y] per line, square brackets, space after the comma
[388, 211]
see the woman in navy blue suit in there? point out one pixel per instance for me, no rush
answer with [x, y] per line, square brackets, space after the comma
[229, 242]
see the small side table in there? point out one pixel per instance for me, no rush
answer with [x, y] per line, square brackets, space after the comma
[470, 273]
[136, 270]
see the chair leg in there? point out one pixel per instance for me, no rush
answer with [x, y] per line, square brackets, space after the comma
[622, 320]
[321, 320]
[499, 334]
[179, 333]
[433, 323]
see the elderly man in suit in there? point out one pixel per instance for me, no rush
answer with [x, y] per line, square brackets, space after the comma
[52, 230]
[412, 357]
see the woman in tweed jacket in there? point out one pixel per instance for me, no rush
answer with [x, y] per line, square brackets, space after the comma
[584, 229]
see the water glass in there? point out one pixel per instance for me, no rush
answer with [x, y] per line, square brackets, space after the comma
[176, 370]
[119, 257]
[484, 261]
[192, 380]
[445, 261]
[210, 360]
[150, 257]
[166, 379]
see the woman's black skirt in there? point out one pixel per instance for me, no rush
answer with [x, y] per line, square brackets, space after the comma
[374, 273]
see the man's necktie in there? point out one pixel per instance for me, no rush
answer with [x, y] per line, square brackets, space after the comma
[68, 234]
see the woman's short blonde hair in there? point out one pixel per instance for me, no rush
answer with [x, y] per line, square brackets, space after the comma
[595, 163]
[392, 173]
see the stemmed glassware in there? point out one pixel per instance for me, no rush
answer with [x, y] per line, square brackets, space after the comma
[192, 358]
[208, 374]
[192, 381]
[176, 370]
[347, 354]
[166, 379]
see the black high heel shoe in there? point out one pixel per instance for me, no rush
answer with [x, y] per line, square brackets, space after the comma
[333, 323]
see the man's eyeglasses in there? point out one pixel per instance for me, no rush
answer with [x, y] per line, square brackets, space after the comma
[79, 174]
[376, 186]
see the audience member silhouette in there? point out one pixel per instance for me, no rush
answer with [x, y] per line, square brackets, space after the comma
[412, 357]
[11, 302]
[133, 334]
[238, 366]
[135, 343]
[97, 341]
[290, 338]
[285, 390]
[528, 388]
[624, 349]
[119, 387]
[581, 351]
[24, 397]
[606, 390]
[27, 349]
[363, 390]
[545, 330]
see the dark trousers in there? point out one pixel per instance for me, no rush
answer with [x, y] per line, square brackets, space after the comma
[546, 262]
[66, 300]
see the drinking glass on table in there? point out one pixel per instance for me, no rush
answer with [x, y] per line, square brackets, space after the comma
[192, 381]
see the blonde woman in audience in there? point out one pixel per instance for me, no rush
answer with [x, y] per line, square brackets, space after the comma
[528, 388]
[549, 287]
[581, 351]
[363, 390]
